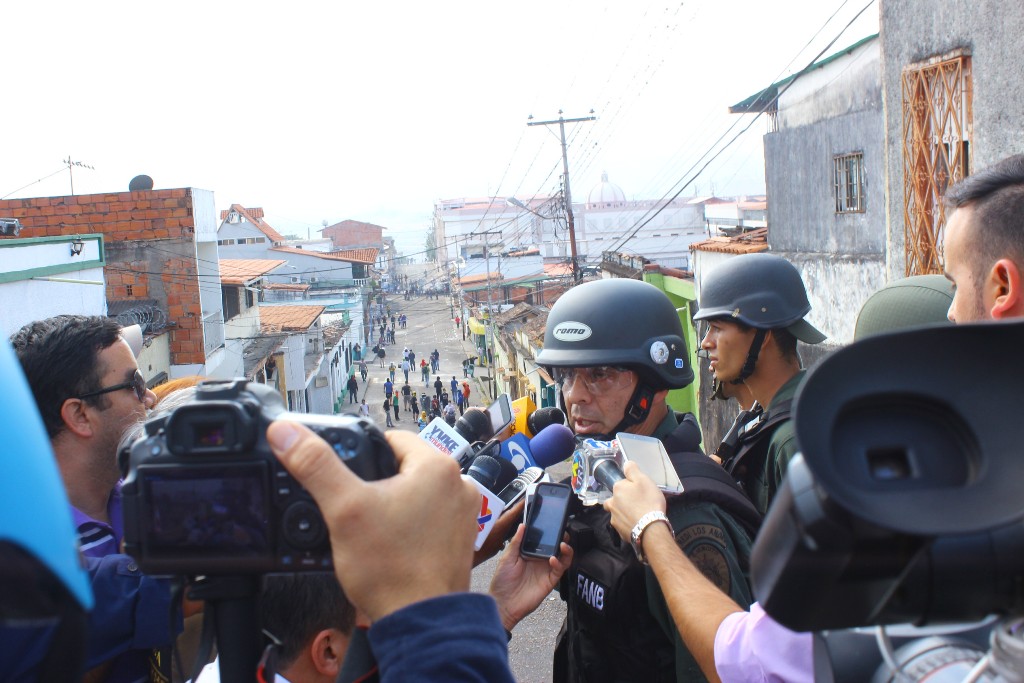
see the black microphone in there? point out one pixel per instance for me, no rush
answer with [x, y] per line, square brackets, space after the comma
[607, 472]
[475, 425]
[494, 473]
[485, 470]
[544, 417]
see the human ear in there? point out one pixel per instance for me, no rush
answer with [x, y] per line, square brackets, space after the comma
[76, 418]
[1002, 288]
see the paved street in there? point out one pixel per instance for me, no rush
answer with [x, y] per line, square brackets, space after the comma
[430, 326]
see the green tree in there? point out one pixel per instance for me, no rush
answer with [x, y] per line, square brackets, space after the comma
[430, 246]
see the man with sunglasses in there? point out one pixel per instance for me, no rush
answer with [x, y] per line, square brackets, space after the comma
[89, 390]
[616, 348]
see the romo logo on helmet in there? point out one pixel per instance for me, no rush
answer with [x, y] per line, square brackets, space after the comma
[571, 331]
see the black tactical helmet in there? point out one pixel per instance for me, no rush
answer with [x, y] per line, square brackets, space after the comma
[762, 291]
[618, 322]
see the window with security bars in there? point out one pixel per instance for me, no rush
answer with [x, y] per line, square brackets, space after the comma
[937, 128]
[849, 182]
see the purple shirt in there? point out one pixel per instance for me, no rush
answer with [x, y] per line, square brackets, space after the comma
[96, 538]
[751, 647]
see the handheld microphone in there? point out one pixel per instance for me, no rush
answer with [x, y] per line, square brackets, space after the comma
[521, 409]
[491, 470]
[542, 418]
[553, 444]
[456, 441]
[596, 466]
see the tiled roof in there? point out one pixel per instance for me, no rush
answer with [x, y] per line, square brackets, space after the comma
[255, 216]
[348, 256]
[745, 243]
[480, 277]
[366, 255]
[240, 271]
[288, 318]
[300, 287]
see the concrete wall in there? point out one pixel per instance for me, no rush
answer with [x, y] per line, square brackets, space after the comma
[914, 30]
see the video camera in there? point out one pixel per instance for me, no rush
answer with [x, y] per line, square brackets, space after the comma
[204, 495]
[905, 505]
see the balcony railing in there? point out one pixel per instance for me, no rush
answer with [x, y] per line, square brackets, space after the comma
[213, 332]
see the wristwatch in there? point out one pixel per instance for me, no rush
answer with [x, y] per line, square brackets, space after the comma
[636, 536]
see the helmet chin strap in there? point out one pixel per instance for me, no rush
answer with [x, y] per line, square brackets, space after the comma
[755, 349]
[637, 410]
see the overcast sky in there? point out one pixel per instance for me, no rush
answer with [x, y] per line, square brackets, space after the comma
[373, 111]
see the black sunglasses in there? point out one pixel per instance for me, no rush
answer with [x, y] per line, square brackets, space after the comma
[137, 384]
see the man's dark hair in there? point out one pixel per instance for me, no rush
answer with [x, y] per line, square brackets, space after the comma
[294, 608]
[996, 195]
[60, 358]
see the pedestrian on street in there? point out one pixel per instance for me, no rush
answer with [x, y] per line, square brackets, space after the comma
[460, 402]
[414, 402]
[425, 371]
[435, 361]
[353, 388]
[406, 395]
[465, 392]
[454, 385]
[387, 412]
[381, 354]
[435, 407]
[394, 404]
[444, 400]
[405, 369]
[425, 403]
[362, 368]
[364, 409]
[438, 386]
[392, 370]
[422, 422]
[389, 388]
[458, 321]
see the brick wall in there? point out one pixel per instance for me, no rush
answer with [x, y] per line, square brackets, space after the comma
[355, 234]
[149, 237]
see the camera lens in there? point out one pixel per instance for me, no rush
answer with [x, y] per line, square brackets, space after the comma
[303, 527]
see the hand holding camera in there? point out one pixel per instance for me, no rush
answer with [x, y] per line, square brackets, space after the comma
[396, 541]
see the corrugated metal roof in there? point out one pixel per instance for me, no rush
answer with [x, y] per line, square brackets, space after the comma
[242, 271]
[302, 287]
[765, 100]
[288, 318]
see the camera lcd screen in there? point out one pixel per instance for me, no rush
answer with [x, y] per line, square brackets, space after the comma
[209, 512]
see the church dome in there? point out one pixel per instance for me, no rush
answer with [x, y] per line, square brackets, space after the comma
[605, 194]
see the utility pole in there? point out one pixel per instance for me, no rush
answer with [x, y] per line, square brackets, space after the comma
[565, 170]
[490, 312]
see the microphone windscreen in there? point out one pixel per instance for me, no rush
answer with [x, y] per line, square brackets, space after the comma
[475, 425]
[485, 470]
[553, 444]
[508, 472]
[542, 418]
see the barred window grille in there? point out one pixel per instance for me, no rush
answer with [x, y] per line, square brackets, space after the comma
[937, 129]
[849, 182]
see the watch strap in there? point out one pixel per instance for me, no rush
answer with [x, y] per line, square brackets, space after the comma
[636, 535]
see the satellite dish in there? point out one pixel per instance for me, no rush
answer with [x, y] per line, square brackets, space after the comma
[140, 182]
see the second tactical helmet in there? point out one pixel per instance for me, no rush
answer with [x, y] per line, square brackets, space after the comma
[762, 291]
[618, 322]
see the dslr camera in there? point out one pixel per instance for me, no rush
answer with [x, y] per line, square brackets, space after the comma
[204, 495]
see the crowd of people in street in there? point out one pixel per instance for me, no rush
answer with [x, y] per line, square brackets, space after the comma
[656, 587]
